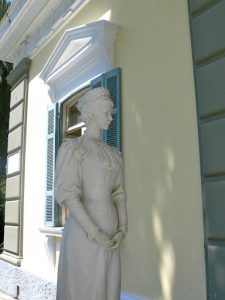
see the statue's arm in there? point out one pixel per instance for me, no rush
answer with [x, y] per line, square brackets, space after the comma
[67, 187]
[119, 200]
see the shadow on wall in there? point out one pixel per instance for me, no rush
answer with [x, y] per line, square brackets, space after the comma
[160, 203]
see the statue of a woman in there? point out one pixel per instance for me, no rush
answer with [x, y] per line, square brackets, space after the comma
[89, 182]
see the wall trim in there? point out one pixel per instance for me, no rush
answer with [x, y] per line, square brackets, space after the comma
[29, 25]
[13, 237]
[82, 53]
[11, 259]
[18, 72]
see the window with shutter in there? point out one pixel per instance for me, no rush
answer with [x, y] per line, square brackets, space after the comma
[71, 126]
[51, 207]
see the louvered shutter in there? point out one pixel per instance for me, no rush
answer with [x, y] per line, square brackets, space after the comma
[111, 81]
[51, 207]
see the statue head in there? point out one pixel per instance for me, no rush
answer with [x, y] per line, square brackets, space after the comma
[94, 104]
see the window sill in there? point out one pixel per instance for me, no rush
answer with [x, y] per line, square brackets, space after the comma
[10, 258]
[52, 231]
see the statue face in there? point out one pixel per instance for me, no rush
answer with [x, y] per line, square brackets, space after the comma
[103, 116]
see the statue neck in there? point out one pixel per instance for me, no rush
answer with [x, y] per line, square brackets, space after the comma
[94, 132]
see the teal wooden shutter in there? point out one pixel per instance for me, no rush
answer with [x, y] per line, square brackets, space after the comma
[51, 207]
[112, 81]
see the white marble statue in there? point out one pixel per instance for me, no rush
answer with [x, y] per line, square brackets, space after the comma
[89, 182]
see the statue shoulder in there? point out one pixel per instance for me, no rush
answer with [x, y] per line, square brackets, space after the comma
[70, 142]
[115, 152]
[74, 145]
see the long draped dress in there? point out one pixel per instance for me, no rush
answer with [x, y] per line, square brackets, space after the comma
[89, 182]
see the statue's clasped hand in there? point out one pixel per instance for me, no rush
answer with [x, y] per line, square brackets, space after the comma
[103, 240]
[117, 238]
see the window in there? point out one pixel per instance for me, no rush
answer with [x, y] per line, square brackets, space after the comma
[71, 124]
[63, 122]
[71, 127]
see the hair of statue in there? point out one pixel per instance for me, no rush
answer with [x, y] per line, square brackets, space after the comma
[91, 101]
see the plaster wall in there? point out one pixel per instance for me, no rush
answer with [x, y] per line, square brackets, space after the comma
[38, 258]
[163, 256]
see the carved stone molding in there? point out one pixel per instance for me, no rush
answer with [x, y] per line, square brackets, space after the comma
[13, 230]
[29, 25]
[82, 53]
[19, 71]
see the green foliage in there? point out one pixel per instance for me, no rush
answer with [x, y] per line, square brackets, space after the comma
[4, 123]
[2, 197]
[2, 209]
[4, 5]
[5, 68]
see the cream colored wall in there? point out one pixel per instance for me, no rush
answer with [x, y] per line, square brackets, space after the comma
[162, 257]
[37, 256]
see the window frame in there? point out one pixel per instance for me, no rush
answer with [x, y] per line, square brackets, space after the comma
[110, 80]
[64, 106]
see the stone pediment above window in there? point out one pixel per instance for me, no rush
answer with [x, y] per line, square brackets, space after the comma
[82, 53]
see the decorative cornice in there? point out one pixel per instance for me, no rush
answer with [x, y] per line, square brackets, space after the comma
[29, 24]
[21, 69]
[82, 53]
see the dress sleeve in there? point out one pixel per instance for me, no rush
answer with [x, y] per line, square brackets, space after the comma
[119, 200]
[68, 186]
